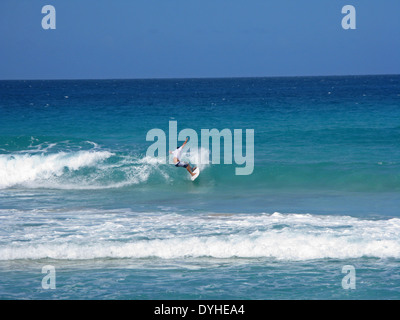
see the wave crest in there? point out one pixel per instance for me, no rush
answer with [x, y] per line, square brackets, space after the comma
[85, 169]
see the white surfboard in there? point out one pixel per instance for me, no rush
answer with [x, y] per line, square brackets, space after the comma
[196, 174]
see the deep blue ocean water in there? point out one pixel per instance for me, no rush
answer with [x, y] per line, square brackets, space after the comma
[78, 192]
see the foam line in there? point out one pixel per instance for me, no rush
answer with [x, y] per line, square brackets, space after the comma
[291, 237]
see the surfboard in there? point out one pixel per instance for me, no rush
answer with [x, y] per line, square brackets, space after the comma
[196, 174]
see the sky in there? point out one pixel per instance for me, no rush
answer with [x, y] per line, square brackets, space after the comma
[123, 39]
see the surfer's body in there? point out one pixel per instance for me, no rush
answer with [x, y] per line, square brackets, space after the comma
[177, 159]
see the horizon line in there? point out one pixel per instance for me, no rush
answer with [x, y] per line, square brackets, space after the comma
[205, 77]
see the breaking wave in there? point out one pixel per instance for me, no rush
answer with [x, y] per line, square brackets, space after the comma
[292, 237]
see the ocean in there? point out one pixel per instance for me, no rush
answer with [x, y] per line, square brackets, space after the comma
[79, 193]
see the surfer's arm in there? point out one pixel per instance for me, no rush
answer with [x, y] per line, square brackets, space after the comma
[187, 138]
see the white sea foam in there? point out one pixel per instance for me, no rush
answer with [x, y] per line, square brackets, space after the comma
[290, 237]
[19, 169]
[55, 170]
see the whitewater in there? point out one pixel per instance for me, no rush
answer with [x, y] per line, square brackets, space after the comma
[84, 169]
[126, 234]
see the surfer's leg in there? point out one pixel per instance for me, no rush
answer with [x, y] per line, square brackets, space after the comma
[185, 165]
[189, 169]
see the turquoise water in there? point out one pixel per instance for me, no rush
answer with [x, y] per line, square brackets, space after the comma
[78, 192]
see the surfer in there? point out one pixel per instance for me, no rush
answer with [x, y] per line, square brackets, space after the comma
[177, 159]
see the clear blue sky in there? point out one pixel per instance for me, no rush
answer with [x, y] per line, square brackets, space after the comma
[197, 38]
